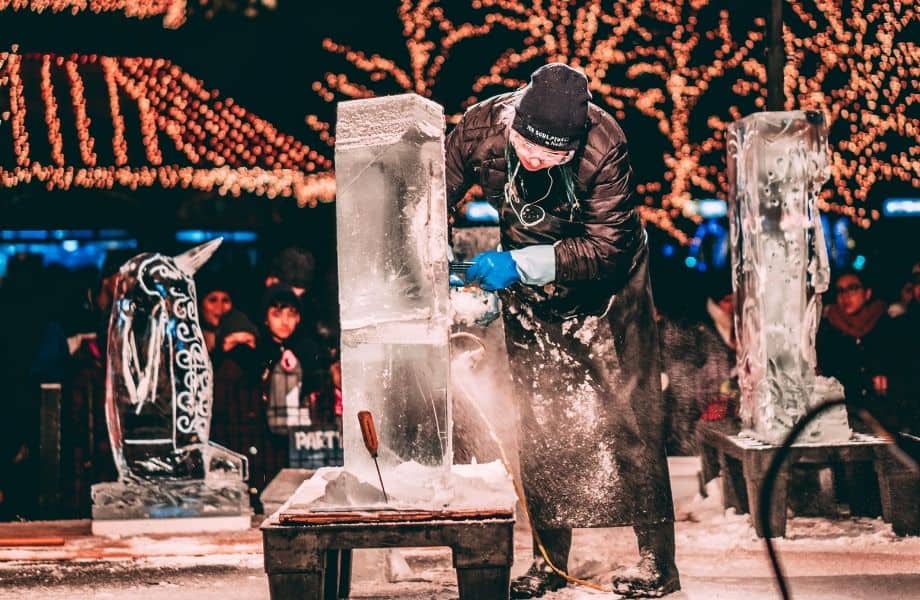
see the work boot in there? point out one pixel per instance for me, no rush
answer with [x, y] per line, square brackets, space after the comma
[656, 574]
[538, 580]
[540, 577]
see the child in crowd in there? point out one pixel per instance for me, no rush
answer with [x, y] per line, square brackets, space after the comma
[292, 363]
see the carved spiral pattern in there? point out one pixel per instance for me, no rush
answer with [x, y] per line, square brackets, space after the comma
[192, 376]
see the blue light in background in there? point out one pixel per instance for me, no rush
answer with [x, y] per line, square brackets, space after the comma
[199, 236]
[901, 207]
[859, 262]
[712, 208]
[668, 250]
[690, 261]
[70, 248]
[191, 236]
[837, 239]
[32, 234]
[480, 211]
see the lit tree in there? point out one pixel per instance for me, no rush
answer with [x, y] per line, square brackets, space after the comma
[654, 57]
[659, 58]
[429, 37]
[859, 63]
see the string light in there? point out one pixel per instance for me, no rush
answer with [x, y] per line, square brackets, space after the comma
[119, 145]
[87, 142]
[660, 58]
[12, 62]
[55, 140]
[219, 146]
[308, 189]
[172, 11]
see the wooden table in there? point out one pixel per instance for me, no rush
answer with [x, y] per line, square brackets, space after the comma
[743, 463]
[308, 554]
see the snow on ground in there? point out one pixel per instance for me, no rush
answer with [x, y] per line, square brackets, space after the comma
[718, 554]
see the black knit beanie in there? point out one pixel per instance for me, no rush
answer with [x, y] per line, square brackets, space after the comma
[553, 110]
[280, 295]
[294, 266]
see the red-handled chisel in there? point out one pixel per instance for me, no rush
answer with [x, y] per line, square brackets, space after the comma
[369, 433]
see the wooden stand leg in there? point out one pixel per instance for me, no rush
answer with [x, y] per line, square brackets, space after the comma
[900, 490]
[344, 573]
[331, 575]
[484, 582]
[734, 492]
[753, 475]
[861, 489]
[288, 586]
[295, 563]
[709, 465]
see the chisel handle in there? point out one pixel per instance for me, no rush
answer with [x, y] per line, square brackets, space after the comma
[368, 432]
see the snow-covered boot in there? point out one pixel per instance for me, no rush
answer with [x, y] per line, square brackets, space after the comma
[538, 580]
[656, 574]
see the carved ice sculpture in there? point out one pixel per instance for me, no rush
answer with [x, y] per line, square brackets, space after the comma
[393, 290]
[777, 163]
[158, 399]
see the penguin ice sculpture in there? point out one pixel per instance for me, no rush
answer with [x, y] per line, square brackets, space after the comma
[159, 391]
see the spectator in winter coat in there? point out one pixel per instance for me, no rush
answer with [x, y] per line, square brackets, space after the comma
[215, 301]
[854, 342]
[293, 365]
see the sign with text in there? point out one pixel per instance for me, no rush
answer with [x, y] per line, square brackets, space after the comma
[313, 447]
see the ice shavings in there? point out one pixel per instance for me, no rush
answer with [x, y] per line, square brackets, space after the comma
[411, 486]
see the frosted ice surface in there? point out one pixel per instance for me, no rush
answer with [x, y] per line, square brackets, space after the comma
[409, 486]
[393, 291]
[777, 163]
[391, 210]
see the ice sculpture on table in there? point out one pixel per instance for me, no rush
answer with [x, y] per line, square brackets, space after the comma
[777, 163]
[393, 281]
[158, 402]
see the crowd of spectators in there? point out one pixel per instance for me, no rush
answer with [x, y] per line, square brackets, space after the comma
[273, 342]
[865, 341]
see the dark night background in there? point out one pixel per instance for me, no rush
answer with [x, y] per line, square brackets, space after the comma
[267, 64]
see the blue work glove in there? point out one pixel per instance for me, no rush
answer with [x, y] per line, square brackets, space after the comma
[493, 270]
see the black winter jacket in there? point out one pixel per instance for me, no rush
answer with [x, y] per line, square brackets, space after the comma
[598, 241]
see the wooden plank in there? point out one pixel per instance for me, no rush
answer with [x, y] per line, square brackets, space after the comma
[31, 541]
[395, 516]
[68, 528]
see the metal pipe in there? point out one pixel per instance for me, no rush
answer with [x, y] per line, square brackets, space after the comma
[776, 57]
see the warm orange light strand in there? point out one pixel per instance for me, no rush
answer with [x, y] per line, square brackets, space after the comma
[223, 147]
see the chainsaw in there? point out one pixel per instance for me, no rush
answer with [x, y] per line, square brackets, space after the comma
[471, 304]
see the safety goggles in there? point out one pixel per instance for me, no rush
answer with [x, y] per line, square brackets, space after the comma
[550, 158]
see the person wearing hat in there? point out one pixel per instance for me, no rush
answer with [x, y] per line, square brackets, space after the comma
[294, 267]
[572, 273]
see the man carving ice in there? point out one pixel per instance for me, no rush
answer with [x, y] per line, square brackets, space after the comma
[577, 308]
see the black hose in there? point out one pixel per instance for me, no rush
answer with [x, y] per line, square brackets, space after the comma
[766, 491]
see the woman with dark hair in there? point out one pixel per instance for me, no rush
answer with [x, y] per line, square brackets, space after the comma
[854, 342]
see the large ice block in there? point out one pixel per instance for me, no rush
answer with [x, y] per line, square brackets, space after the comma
[777, 163]
[393, 281]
